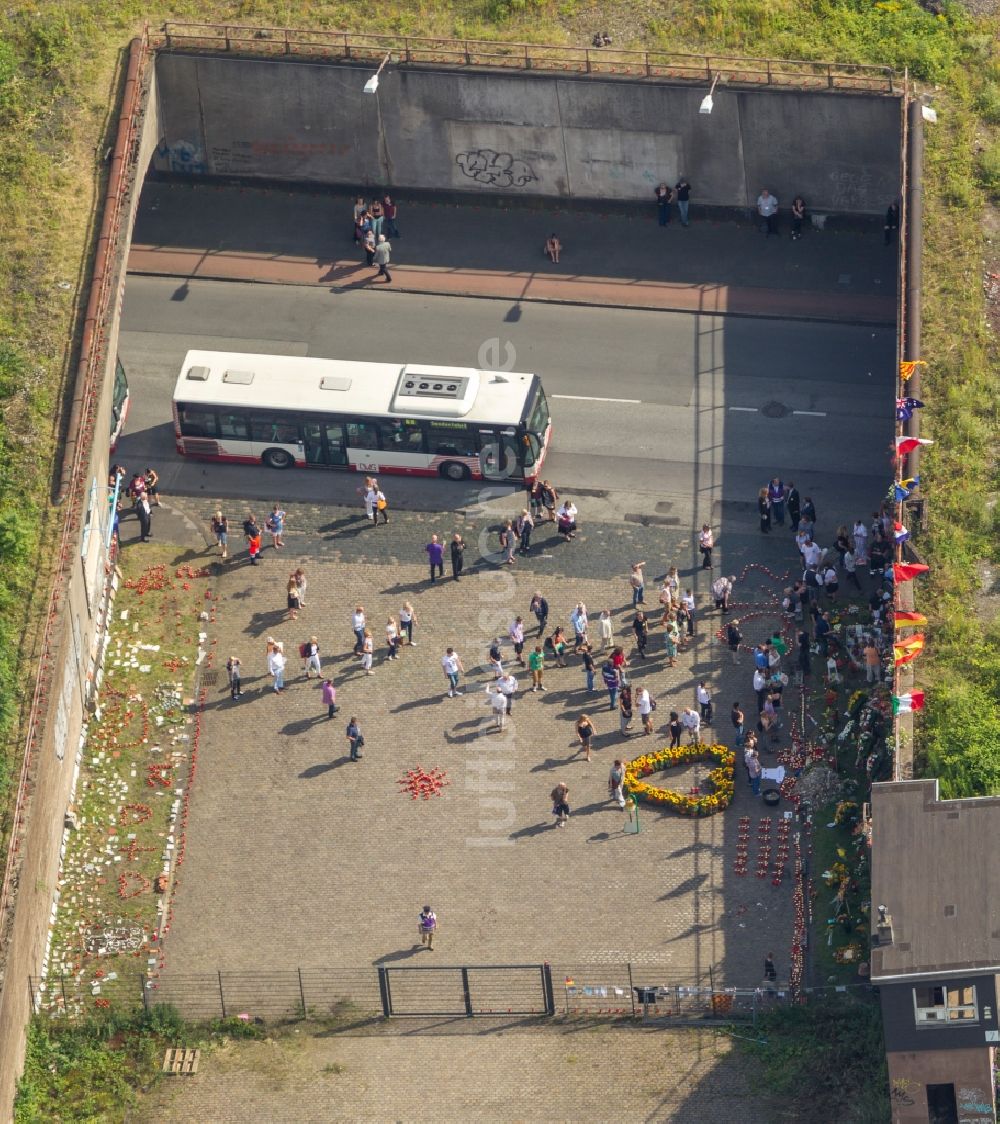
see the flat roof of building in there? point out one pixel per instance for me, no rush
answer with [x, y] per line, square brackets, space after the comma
[936, 868]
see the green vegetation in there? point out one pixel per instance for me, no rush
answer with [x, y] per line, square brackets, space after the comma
[95, 1070]
[823, 1062]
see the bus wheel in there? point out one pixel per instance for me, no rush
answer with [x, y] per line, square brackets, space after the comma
[454, 470]
[277, 458]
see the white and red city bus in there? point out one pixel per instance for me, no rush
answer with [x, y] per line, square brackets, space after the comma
[413, 419]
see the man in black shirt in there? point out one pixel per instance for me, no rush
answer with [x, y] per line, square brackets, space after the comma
[683, 195]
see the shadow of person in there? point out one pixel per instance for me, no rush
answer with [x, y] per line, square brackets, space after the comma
[402, 954]
[323, 767]
[300, 725]
[534, 829]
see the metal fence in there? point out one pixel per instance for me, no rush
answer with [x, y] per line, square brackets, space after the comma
[615, 991]
[413, 50]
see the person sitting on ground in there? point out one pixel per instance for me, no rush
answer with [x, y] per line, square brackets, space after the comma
[552, 247]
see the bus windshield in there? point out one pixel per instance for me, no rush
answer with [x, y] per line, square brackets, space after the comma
[538, 420]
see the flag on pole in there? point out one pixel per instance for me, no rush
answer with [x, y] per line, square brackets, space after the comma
[908, 649]
[906, 406]
[903, 489]
[906, 445]
[907, 571]
[899, 533]
[908, 366]
[906, 619]
[908, 704]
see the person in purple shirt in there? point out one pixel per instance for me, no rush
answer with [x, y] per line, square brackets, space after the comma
[435, 555]
[776, 494]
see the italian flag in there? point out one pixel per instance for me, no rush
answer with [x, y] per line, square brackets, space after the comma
[907, 704]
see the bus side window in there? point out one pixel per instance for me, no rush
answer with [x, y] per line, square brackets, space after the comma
[402, 436]
[270, 430]
[233, 426]
[450, 440]
[196, 422]
[362, 435]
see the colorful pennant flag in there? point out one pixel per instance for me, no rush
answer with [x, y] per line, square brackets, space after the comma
[907, 571]
[907, 367]
[908, 704]
[905, 488]
[906, 445]
[899, 533]
[906, 406]
[908, 649]
[907, 619]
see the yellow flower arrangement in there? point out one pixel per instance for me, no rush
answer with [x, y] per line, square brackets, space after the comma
[704, 804]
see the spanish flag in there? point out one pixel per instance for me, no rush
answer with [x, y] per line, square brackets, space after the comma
[908, 704]
[907, 571]
[908, 649]
[907, 620]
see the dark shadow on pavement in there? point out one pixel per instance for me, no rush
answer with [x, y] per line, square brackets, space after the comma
[324, 767]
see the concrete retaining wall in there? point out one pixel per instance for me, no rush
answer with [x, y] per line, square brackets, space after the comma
[517, 133]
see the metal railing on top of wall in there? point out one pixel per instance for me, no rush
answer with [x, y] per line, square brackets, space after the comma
[799, 74]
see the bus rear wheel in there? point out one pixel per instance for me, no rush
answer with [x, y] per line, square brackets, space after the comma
[277, 458]
[454, 470]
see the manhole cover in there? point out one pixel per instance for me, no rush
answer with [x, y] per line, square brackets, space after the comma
[209, 678]
[775, 410]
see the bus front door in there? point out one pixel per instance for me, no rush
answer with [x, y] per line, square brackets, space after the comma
[498, 454]
[324, 444]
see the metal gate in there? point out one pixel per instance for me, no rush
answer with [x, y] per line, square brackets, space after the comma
[475, 990]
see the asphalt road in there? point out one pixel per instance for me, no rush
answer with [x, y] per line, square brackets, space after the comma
[697, 410]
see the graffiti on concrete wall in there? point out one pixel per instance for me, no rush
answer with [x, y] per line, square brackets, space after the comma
[851, 189]
[182, 156]
[499, 169]
[974, 1103]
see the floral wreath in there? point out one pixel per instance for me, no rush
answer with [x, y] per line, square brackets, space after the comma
[688, 804]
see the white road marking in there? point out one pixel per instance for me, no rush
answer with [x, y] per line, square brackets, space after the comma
[810, 413]
[584, 398]
[744, 409]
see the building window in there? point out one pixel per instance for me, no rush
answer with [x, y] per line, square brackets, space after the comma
[944, 1004]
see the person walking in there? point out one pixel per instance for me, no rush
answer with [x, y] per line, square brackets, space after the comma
[687, 603]
[536, 665]
[392, 638]
[369, 246]
[722, 589]
[589, 667]
[508, 542]
[276, 526]
[585, 734]
[427, 927]
[516, 634]
[498, 704]
[292, 598]
[663, 195]
[549, 497]
[675, 726]
[142, 510]
[767, 209]
[152, 481]
[300, 580]
[764, 510]
[457, 557]
[355, 739]
[536, 499]
[435, 556]
[616, 780]
[738, 719]
[234, 670]
[540, 607]
[560, 803]
[276, 666]
[381, 258]
[328, 693]
[640, 626]
[625, 710]
[367, 652]
[524, 526]
[310, 653]
[704, 698]
[566, 520]
[358, 622]
[558, 643]
[407, 620]
[734, 638]
[381, 505]
[452, 664]
[754, 770]
[776, 498]
[637, 580]
[671, 638]
[612, 683]
[646, 707]
[891, 225]
[691, 721]
[581, 623]
[606, 626]
[220, 528]
[682, 193]
[507, 686]
[706, 543]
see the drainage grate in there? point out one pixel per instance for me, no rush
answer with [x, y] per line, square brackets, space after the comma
[209, 678]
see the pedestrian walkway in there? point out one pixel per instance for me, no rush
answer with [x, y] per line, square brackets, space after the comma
[618, 260]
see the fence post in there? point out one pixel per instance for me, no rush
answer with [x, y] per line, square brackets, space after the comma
[383, 990]
[222, 995]
[31, 995]
[466, 993]
[302, 994]
[145, 991]
[550, 996]
[829, 76]
[631, 988]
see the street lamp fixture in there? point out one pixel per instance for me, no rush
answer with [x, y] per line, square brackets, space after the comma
[707, 104]
[371, 86]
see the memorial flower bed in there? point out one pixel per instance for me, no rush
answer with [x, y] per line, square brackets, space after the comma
[695, 802]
